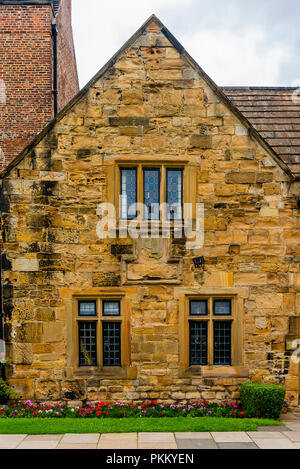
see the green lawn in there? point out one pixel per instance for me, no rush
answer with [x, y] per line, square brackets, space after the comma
[130, 425]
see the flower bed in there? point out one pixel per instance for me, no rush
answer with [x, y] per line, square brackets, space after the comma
[120, 410]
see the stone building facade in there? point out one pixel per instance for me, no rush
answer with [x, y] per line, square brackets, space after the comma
[125, 319]
[28, 69]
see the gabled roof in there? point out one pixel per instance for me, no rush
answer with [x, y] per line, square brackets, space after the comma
[275, 114]
[54, 3]
[222, 96]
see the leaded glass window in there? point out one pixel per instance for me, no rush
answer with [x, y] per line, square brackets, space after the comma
[174, 193]
[99, 324]
[111, 344]
[198, 308]
[222, 307]
[222, 343]
[128, 192]
[87, 344]
[151, 193]
[198, 343]
[111, 308]
[211, 322]
[87, 308]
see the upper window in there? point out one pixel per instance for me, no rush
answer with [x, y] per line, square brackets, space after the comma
[99, 333]
[128, 193]
[87, 308]
[151, 194]
[151, 187]
[210, 329]
[174, 194]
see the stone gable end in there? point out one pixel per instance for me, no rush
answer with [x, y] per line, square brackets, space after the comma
[150, 106]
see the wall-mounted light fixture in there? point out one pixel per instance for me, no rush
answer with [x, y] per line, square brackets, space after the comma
[198, 262]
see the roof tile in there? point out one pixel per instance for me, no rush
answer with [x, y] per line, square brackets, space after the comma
[275, 115]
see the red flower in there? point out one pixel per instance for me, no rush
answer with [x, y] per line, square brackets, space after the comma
[107, 413]
[162, 413]
[242, 413]
[206, 402]
[154, 402]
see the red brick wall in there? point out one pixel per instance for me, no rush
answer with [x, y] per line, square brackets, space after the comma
[26, 69]
[26, 72]
[67, 70]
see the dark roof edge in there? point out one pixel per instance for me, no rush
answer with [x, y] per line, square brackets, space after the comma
[112, 61]
[25, 2]
[30, 3]
[260, 88]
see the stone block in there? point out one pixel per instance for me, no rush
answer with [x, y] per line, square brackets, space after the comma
[200, 141]
[52, 332]
[21, 354]
[241, 178]
[29, 332]
[47, 390]
[24, 387]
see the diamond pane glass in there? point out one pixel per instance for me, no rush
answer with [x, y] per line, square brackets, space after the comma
[128, 192]
[87, 344]
[198, 308]
[111, 344]
[198, 343]
[222, 343]
[222, 307]
[174, 194]
[111, 308]
[151, 193]
[87, 308]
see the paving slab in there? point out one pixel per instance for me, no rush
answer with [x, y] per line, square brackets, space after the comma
[272, 429]
[11, 438]
[157, 446]
[77, 446]
[293, 427]
[11, 441]
[196, 444]
[294, 436]
[80, 438]
[237, 446]
[156, 437]
[274, 443]
[118, 441]
[231, 437]
[193, 436]
[267, 435]
[43, 438]
[37, 445]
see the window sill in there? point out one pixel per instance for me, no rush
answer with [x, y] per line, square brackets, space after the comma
[216, 372]
[114, 372]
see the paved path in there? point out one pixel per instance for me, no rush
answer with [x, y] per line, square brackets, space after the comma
[287, 437]
[265, 439]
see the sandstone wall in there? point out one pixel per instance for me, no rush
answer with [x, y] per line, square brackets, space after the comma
[151, 104]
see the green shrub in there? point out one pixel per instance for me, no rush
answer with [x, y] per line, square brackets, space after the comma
[5, 392]
[262, 400]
